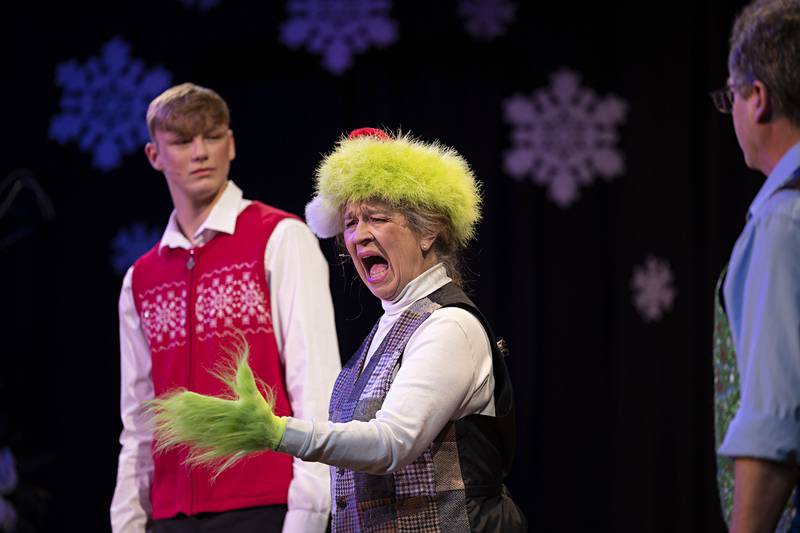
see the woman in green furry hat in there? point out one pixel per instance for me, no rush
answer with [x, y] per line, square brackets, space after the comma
[421, 429]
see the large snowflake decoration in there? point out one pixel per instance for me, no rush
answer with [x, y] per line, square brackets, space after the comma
[653, 289]
[200, 5]
[104, 103]
[563, 136]
[131, 242]
[486, 19]
[337, 29]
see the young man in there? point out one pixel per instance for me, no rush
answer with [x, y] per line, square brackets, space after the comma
[225, 267]
[762, 287]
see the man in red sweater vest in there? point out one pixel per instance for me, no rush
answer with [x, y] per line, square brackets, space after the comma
[224, 267]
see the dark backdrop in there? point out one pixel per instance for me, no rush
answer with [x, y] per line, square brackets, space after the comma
[614, 413]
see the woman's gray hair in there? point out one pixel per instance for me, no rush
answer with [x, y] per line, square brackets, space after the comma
[424, 221]
[765, 46]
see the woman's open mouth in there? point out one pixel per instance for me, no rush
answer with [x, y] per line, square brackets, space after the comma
[376, 267]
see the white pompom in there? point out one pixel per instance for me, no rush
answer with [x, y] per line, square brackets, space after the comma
[323, 220]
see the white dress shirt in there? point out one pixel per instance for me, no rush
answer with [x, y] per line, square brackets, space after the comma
[446, 375]
[302, 311]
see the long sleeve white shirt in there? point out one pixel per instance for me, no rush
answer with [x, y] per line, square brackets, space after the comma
[302, 311]
[446, 375]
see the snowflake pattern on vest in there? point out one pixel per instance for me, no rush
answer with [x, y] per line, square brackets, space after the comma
[164, 315]
[230, 299]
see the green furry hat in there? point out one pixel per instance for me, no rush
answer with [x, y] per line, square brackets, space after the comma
[370, 164]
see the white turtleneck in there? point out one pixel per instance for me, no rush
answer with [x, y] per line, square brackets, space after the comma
[446, 374]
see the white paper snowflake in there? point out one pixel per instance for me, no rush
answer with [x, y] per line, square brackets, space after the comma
[130, 243]
[200, 5]
[337, 29]
[486, 19]
[653, 289]
[104, 103]
[563, 136]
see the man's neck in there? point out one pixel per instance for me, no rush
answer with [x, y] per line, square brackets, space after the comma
[190, 214]
[778, 141]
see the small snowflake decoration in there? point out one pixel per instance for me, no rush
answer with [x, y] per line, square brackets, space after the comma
[8, 483]
[104, 103]
[8, 471]
[337, 29]
[130, 243]
[563, 136]
[200, 5]
[8, 515]
[653, 289]
[486, 19]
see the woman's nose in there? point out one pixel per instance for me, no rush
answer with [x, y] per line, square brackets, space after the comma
[361, 232]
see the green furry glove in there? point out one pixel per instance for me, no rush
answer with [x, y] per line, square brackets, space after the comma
[219, 431]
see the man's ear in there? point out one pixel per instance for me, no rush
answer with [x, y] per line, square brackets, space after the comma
[151, 151]
[232, 147]
[762, 108]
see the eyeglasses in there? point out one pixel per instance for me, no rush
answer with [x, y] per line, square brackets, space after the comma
[723, 99]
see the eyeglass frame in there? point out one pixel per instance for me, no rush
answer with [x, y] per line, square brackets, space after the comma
[723, 98]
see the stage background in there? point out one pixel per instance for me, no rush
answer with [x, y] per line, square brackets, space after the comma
[614, 405]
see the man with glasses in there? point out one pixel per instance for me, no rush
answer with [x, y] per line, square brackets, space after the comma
[761, 292]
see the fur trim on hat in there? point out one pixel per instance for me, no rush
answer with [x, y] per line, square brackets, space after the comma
[401, 171]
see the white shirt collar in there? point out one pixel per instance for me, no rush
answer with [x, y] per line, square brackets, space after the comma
[221, 219]
[783, 172]
[421, 286]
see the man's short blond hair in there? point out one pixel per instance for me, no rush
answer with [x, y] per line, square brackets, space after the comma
[187, 110]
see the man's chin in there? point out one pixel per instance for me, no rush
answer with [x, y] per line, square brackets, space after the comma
[206, 187]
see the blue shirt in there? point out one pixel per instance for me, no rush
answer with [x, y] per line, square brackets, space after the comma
[762, 301]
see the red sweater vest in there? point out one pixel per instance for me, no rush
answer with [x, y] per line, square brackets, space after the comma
[192, 303]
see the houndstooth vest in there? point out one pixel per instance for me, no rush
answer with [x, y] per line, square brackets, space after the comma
[456, 484]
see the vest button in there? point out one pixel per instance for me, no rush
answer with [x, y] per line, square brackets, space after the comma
[341, 503]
